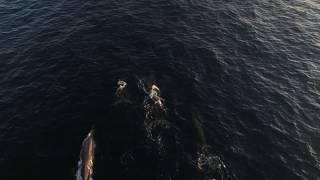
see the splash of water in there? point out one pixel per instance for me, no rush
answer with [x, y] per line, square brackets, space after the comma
[209, 165]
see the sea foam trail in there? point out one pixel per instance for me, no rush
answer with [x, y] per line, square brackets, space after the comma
[160, 131]
[155, 112]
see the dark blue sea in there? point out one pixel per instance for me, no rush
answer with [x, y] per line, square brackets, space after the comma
[240, 82]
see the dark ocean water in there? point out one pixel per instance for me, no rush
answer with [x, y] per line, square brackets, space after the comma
[241, 82]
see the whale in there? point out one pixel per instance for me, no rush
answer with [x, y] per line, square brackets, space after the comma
[198, 129]
[154, 95]
[87, 156]
[121, 88]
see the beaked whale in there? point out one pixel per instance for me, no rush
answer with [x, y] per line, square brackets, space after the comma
[154, 94]
[87, 156]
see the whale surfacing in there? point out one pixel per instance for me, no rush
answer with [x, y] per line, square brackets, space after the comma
[155, 95]
[87, 156]
[121, 89]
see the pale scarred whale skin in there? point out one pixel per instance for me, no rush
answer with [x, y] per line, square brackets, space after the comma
[87, 156]
[121, 90]
[155, 95]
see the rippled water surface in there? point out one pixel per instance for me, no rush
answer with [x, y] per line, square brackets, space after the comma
[240, 81]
